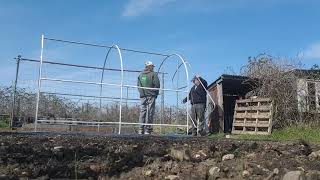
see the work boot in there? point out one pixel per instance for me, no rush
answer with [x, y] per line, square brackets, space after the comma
[148, 131]
[140, 131]
[202, 133]
[194, 132]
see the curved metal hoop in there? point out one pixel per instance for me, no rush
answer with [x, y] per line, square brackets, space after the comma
[187, 77]
[121, 80]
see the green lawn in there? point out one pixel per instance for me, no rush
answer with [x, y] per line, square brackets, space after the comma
[3, 124]
[308, 134]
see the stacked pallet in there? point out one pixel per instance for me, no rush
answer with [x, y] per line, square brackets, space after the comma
[252, 116]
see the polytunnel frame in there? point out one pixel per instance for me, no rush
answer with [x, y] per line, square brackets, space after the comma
[40, 79]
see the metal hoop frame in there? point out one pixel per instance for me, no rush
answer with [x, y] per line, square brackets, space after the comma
[101, 83]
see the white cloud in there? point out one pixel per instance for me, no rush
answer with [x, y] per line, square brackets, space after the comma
[135, 8]
[311, 52]
[141, 7]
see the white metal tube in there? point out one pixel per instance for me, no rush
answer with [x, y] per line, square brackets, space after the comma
[108, 122]
[192, 120]
[208, 93]
[187, 77]
[169, 125]
[101, 80]
[162, 101]
[174, 90]
[210, 97]
[89, 96]
[188, 85]
[121, 87]
[109, 84]
[80, 82]
[104, 46]
[39, 84]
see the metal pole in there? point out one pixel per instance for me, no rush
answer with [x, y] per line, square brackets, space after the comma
[100, 119]
[81, 66]
[104, 46]
[39, 84]
[121, 87]
[101, 81]
[127, 108]
[108, 122]
[100, 108]
[15, 92]
[88, 96]
[208, 93]
[177, 103]
[162, 104]
[109, 84]
[127, 97]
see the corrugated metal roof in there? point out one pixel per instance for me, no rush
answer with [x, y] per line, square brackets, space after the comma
[228, 76]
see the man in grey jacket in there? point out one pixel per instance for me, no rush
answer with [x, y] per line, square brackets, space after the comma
[147, 79]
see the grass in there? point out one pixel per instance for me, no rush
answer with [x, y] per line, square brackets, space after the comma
[294, 133]
[217, 136]
[4, 124]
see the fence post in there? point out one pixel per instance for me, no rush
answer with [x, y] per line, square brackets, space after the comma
[39, 84]
[15, 91]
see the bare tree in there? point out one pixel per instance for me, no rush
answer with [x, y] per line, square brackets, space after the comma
[276, 78]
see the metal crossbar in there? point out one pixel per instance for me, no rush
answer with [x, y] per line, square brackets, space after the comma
[105, 46]
[110, 84]
[80, 66]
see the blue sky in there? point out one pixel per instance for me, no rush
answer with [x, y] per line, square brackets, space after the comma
[213, 35]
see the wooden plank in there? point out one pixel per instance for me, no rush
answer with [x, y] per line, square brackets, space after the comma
[254, 100]
[233, 128]
[253, 108]
[270, 120]
[251, 125]
[251, 132]
[249, 119]
[251, 116]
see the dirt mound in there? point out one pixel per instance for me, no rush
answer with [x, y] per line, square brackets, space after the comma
[77, 156]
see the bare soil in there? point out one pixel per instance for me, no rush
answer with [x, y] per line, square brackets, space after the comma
[79, 156]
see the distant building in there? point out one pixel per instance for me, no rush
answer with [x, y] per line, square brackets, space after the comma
[308, 90]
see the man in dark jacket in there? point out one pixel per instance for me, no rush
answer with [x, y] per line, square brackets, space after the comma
[198, 100]
[147, 79]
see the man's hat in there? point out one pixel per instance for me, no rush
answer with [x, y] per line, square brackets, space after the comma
[149, 63]
[195, 77]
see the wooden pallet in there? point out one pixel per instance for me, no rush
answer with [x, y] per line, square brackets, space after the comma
[252, 116]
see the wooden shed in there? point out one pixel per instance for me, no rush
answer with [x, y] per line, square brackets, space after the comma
[225, 91]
